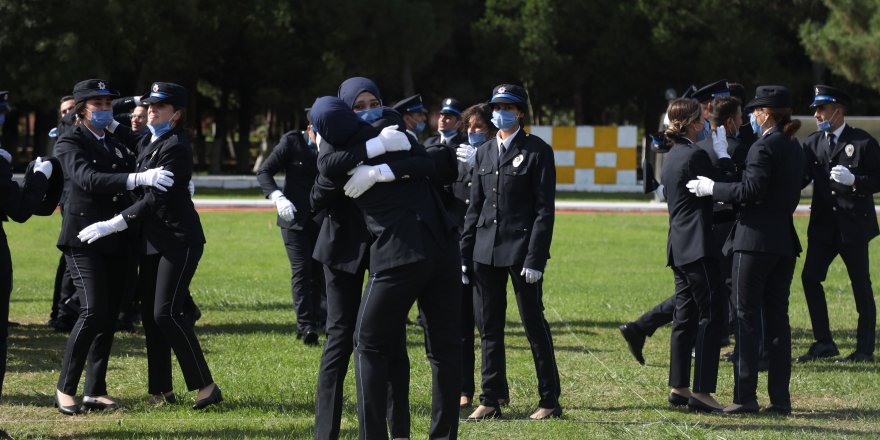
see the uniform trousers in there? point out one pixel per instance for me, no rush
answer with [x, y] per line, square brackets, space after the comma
[164, 282]
[700, 317]
[99, 280]
[761, 285]
[657, 317]
[389, 295]
[491, 286]
[855, 257]
[306, 278]
[5, 293]
[468, 359]
[343, 300]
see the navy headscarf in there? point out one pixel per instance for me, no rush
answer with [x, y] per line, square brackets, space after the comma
[335, 121]
[352, 87]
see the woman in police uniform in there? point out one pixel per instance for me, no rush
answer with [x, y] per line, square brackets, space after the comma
[170, 241]
[96, 168]
[507, 233]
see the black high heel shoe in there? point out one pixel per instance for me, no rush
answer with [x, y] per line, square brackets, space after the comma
[696, 405]
[93, 404]
[677, 400]
[215, 397]
[71, 410]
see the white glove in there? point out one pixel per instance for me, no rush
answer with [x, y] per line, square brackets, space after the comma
[464, 277]
[5, 154]
[285, 208]
[393, 139]
[363, 177]
[467, 154]
[43, 167]
[532, 276]
[660, 193]
[191, 187]
[843, 175]
[719, 142]
[155, 177]
[97, 230]
[701, 186]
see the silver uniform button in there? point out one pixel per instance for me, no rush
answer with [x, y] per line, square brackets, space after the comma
[467, 201]
[833, 193]
[469, 184]
[495, 221]
[114, 198]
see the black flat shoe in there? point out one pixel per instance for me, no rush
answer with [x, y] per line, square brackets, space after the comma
[90, 404]
[557, 413]
[494, 413]
[746, 408]
[71, 410]
[635, 340]
[677, 400]
[777, 410]
[819, 350]
[696, 405]
[215, 397]
[857, 357]
[310, 337]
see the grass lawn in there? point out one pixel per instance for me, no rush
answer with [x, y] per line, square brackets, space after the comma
[606, 269]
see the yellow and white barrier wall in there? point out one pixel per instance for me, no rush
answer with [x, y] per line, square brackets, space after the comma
[593, 158]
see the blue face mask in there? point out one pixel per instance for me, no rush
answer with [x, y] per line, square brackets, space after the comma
[503, 119]
[826, 125]
[449, 134]
[705, 133]
[753, 121]
[476, 138]
[309, 140]
[101, 118]
[2, 118]
[420, 127]
[160, 128]
[370, 115]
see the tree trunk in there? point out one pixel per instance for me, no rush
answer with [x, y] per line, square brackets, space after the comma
[409, 87]
[221, 128]
[245, 118]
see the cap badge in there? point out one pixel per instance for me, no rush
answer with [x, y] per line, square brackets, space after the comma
[502, 89]
[155, 87]
[817, 90]
[518, 160]
[101, 85]
[849, 149]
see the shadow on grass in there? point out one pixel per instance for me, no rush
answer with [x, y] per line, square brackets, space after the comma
[156, 431]
[251, 327]
[753, 423]
[262, 306]
[36, 348]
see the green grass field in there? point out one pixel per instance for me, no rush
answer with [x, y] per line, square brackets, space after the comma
[606, 269]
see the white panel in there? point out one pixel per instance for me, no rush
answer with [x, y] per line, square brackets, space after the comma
[564, 158]
[545, 132]
[606, 160]
[584, 177]
[626, 177]
[584, 137]
[627, 136]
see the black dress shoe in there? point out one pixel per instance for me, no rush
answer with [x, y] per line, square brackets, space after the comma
[677, 400]
[746, 408]
[90, 404]
[71, 410]
[495, 413]
[310, 337]
[777, 410]
[555, 414]
[819, 350]
[857, 357]
[635, 339]
[215, 397]
[696, 405]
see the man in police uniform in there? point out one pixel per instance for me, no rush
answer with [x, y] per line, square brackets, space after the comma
[507, 233]
[448, 125]
[415, 115]
[843, 163]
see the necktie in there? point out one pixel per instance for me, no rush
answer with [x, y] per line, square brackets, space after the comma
[502, 150]
[830, 148]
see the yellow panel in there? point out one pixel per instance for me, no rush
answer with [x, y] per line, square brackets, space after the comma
[606, 138]
[584, 158]
[564, 138]
[564, 174]
[626, 158]
[606, 176]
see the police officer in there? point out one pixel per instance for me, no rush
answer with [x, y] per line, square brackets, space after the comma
[97, 169]
[449, 125]
[413, 257]
[17, 203]
[843, 162]
[297, 156]
[414, 113]
[507, 233]
[170, 241]
[765, 245]
[693, 256]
